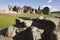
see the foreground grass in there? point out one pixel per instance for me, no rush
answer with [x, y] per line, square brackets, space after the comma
[9, 19]
[6, 21]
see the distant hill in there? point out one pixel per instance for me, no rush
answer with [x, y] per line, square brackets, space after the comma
[58, 12]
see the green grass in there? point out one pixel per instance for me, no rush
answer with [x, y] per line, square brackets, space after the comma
[7, 20]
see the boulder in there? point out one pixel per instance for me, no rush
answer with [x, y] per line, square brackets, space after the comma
[36, 33]
[10, 7]
[49, 25]
[27, 23]
[19, 20]
[5, 38]
[56, 21]
[11, 32]
[46, 11]
[3, 31]
[27, 9]
[17, 9]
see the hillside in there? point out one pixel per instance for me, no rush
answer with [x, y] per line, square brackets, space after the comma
[58, 12]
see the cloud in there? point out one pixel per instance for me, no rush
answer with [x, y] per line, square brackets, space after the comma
[46, 6]
[49, 1]
[54, 9]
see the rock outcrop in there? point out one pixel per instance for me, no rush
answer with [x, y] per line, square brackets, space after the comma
[46, 11]
[10, 7]
[29, 9]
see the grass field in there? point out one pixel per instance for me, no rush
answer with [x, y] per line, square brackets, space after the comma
[9, 19]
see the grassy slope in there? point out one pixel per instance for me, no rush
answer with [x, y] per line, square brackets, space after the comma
[9, 19]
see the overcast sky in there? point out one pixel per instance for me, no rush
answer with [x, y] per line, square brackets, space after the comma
[54, 5]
